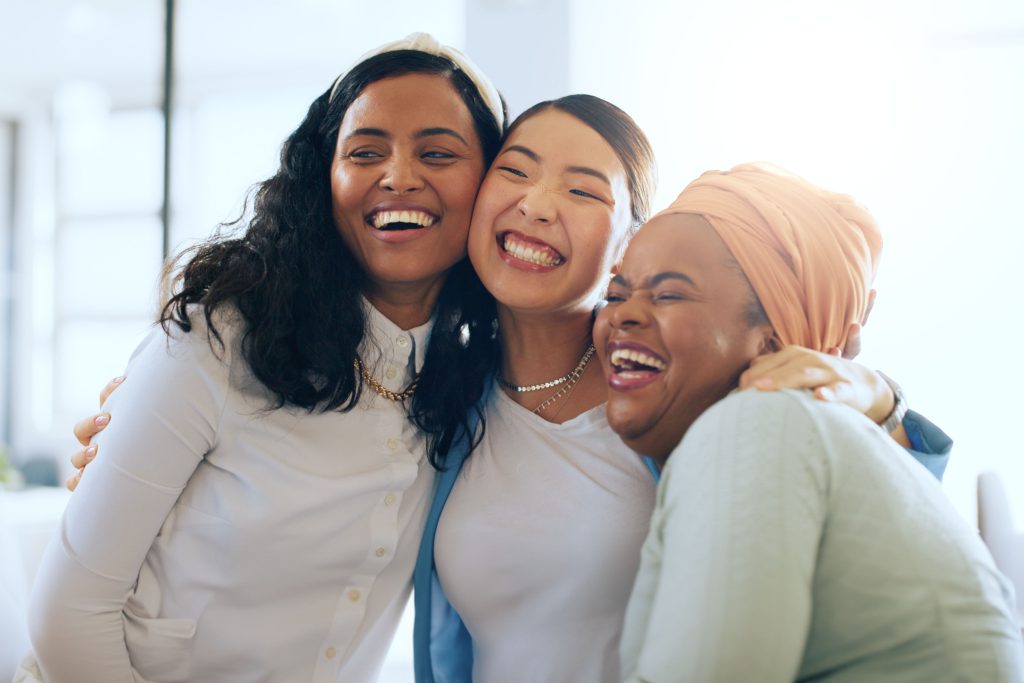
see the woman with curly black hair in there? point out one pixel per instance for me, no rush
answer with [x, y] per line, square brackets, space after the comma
[258, 507]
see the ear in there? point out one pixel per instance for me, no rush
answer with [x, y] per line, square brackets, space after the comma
[767, 341]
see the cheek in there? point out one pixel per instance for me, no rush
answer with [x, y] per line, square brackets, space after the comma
[454, 243]
[713, 354]
[345, 193]
[602, 238]
[478, 239]
[601, 332]
[461, 191]
[489, 202]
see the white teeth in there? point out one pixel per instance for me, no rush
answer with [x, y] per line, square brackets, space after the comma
[621, 357]
[382, 218]
[530, 254]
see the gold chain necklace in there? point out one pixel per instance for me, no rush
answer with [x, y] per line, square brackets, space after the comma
[570, 384]
[381, 389]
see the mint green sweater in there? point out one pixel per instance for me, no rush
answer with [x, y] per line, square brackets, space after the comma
[793, 540]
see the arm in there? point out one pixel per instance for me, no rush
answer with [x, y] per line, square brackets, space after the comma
[929, 445]
[168, 414]
[724, 589]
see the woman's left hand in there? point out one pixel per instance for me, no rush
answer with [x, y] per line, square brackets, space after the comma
[831, 377]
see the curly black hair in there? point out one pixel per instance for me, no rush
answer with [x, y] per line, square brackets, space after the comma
[297, 287]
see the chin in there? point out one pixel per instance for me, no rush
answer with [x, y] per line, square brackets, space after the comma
[633, 432]
[655, 437]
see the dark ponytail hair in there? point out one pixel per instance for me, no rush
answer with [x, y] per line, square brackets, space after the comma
[297, 287]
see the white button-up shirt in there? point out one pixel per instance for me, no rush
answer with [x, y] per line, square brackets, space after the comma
[216, 540]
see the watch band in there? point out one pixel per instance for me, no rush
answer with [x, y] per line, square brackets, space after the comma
[899, 408]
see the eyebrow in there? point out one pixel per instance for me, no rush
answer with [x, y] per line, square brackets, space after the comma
[586, 170]
[425, 133]
[429, 132]
[655, 280]
[525, 151]
[372, 132]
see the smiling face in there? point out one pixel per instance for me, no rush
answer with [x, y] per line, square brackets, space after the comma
[675, 334]
[405, 173]
[551, 216]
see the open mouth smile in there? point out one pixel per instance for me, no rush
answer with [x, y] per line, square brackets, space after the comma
[633, 365]
[522, 251]
[409, 219]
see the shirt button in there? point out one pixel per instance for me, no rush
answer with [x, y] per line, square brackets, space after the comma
[390, 373]
[381, 552]
[330, 652]
[354, 595]
[389, 499]
[392, 444]
[402, 341]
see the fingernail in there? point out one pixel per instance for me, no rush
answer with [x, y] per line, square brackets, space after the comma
[102, 420]
[764, 383]
[90, 452]
[118, 380]
[826, 394]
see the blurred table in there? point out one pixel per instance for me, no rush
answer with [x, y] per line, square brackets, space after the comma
[28, 519]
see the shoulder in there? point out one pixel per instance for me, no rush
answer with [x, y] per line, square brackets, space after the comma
[176, 354]
[776, 415]
[764, 434]
[760, 413]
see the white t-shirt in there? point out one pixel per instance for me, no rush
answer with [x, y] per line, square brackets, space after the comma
[539, 543]
[212, 540]
[794, 540]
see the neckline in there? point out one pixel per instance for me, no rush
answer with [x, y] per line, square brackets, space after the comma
[593, 417]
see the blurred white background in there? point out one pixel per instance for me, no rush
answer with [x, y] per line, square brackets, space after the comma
[913, 107]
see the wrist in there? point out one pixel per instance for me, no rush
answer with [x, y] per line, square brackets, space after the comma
[894, 420]
[884, 400]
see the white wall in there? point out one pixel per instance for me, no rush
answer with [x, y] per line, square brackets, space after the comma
[912, 107]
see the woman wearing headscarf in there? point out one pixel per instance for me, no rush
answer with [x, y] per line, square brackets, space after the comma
[792, 539]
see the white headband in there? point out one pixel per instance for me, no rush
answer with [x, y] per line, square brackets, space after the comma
[424, 42]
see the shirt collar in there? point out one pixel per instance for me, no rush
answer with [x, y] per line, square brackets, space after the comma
[386, 338]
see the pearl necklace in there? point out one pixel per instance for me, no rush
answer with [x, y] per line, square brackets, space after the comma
[574, 374]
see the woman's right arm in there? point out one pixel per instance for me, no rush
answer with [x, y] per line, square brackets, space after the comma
[168, 415]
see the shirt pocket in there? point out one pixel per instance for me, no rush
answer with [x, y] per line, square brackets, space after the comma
[159, 648]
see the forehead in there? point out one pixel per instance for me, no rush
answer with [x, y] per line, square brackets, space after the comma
[410, 101]
[561, 140]
[677, 242]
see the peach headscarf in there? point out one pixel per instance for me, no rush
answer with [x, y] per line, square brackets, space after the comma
[809, 254]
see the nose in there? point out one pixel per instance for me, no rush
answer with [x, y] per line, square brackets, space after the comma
[401, 175]
[537, 205]
[631, 313]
